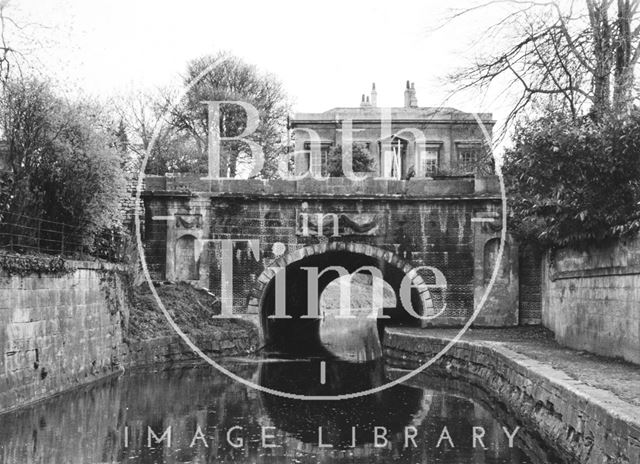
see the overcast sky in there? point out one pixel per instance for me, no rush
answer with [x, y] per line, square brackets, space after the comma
[326, 53]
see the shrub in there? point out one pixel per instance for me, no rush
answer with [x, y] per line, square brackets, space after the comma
[65, 167]
[362, 161]
[574, 182]
[23, 265]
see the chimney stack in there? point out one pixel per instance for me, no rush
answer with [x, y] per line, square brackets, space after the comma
[413, 102]
[407, 96]
[374, 95]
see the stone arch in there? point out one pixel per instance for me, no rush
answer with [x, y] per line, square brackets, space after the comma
[330, 253]
[186, 261]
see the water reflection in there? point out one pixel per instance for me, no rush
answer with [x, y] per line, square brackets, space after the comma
[343, 422]
[356, 338]
[213, 419]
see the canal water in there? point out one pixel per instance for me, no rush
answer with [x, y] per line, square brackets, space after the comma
[208, 418]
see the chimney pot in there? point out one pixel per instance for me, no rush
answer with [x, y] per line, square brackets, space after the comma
[413, 100]
[374, 95]
[407, 96]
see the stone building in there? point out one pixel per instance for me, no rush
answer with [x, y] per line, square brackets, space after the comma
[419, 142]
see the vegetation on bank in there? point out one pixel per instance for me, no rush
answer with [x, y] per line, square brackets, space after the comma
[192, 309]
[64, 183]
[21, 265]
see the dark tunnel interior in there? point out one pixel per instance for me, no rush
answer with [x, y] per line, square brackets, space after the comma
[301, 336]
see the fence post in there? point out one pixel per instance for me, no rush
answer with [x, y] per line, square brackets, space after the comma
[39, 236]
[62, 241]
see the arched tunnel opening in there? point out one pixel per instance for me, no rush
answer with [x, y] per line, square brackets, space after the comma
[300, 333]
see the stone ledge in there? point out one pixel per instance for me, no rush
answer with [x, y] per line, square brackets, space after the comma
[171, 348]
[96, 265]
[448, 188]
[583, 423]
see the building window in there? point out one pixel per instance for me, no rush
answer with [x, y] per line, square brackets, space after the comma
[428, 159]
[325, 148]
[393, 154]
[469, 155]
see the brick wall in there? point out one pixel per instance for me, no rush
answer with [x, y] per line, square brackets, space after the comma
[154, 238]
[437, 234]
[530, 273]
[591, 298]
[58, 331]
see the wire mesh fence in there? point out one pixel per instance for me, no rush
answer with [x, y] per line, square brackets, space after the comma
[21, 233]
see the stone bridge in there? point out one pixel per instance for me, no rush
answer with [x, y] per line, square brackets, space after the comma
[429, 232]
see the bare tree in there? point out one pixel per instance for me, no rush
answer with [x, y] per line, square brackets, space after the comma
[580, 54]
[145, 124]
[627, 53]
[8, 54]
[141, 112]
[20, 42]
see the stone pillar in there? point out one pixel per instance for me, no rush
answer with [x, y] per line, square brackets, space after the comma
[186, 220]
[501, 306]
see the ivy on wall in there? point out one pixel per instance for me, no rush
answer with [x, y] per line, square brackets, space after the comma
[22, 265]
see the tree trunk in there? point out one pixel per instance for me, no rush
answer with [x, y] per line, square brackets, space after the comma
[623, 74]
[599, 18]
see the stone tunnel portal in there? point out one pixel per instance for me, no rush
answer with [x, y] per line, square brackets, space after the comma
[300, 334]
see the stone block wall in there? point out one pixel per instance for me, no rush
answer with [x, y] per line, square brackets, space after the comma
[172, 349]
[58, 331]
[581, 423]
[452, 225]
[61, 331]
[128, 201]
[591, 298]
